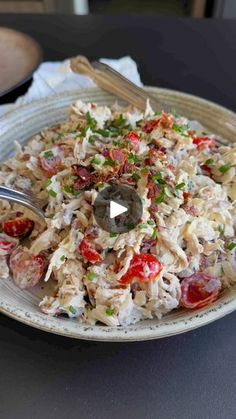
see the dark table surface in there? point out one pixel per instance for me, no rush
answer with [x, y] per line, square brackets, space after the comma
[188, 376]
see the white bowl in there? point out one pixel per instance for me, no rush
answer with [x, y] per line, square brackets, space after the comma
[27, 120]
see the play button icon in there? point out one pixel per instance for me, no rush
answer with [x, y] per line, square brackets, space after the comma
[118, 208]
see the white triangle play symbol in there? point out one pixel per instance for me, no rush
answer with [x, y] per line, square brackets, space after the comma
[116, 209]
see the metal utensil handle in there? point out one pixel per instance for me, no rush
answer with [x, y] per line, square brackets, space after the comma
[18, 198]
[111, 81]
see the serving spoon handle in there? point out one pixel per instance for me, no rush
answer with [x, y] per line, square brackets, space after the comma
[113, 82]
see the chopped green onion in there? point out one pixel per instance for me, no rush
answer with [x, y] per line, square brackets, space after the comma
[48, 154]
[109, 312]
[209, 162]
[91, 276]
[160, 198]
[74, 177]
[130, 226]
[223, 169]
[154, 234]
[136, 177]
[92, 139]
[180, 129]
[150, 222]
[109, 162]
[91, 122]
[52, 193]
[221, 230]
[231, 246]
[96, 160]
[132, 158]
[180, 185]
[72, 310]
[68, 189]
[62, 258]
[105, 133]
[144, 171]
[113, 234]
[157, 178]
[48, 182]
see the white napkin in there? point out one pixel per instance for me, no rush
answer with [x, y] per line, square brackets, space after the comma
[55, 77]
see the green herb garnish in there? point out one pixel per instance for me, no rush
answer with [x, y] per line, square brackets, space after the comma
[48, 154]
[91, 276]
[223, 169]
[109, 312]
[160, 198]
[96, 160]
[136, 177]
[154, 234]
[72, 310]
[92, 139]
[209, 162]
[68, 189]
[180, 129]
[105, 133]
[180, 185]
[109, 162]
[231, 246]
[158, 179]
[48, 182]
[62, 258]
[132, 158]
[113, 235]
[91, 122]
[52, 193]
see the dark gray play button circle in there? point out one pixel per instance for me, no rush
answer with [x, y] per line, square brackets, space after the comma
[118, 208]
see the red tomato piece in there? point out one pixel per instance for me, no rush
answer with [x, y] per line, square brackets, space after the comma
[143, 268]
[199, 290]
[18, 227]
[134, 140]
[27, 270]
[203, 142]
[87, 250]
[6, 246]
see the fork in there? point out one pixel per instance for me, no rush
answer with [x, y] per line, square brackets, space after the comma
[22, 198]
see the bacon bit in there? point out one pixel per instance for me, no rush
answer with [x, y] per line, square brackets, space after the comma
[186, 196]
[85, 177]
[190, 209]
[117, 155]
[51, 165]
[128, 168]
[157, 146]
[149, 126]
[153, 207]
[105, 152]
[147, 245]
[127, 181]
[154, 190]
[166, 121]
[206, 170]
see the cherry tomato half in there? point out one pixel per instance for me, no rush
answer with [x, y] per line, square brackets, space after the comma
[18, 227]
[87, 250]
[199, 290]
[143, 268]
[203, 142]
[134, 140]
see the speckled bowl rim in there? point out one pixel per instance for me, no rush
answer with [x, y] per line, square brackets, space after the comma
[178, 321]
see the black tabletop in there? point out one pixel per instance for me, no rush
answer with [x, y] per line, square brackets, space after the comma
[190, 376]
